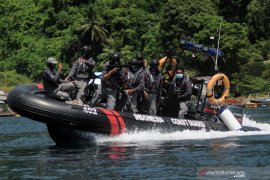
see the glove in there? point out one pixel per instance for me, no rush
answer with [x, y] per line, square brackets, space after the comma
[145, 94]
[126, 92]
[129, 91]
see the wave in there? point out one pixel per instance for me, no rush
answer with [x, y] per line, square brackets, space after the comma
[147, 136]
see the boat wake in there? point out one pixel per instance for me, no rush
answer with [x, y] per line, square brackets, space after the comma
[151, 136]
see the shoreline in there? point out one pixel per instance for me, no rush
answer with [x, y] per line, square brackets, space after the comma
[7, 114]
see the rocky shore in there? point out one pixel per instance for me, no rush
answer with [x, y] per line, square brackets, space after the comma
[4, 109]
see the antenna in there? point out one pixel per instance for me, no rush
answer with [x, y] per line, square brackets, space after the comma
[216, 67]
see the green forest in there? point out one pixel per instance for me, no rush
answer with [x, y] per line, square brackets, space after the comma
[33, 30]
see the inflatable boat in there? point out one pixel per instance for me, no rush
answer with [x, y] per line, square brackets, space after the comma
[67, 122]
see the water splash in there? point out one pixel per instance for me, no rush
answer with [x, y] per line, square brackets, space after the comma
[263, 126]
[155, 136]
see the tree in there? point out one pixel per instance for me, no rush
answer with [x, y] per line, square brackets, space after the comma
[262, 50]
[262, 54]
[258, 19]
[180, 19]
[132, 21]
[32, 30]
[113, 45]
[11, 79]
[197, 21]
[233, 10]
[92, 32]
[250, 84]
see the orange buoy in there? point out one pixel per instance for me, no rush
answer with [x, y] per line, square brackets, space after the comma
[210, 86]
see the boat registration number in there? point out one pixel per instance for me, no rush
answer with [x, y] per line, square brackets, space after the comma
[89, 110]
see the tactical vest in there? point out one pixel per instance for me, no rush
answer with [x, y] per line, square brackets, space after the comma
[81, 71]
[152, 82]
[132, 78]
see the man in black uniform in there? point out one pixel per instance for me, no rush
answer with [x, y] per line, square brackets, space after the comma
[54, 86]
[81, 71]
[134, 82]
[182, 91]
[153, 82]
[110, 81]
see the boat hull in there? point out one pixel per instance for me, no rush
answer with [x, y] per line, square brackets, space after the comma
[65, 120]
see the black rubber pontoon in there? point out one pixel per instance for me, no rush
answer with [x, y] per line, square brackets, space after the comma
[65, 121]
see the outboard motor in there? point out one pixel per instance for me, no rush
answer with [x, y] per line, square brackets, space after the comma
[229, 120]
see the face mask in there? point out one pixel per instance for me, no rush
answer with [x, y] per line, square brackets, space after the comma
[154, 69]
[133, 68]
[179, 76]
[114, 63]
[52, 66]
[85, 54]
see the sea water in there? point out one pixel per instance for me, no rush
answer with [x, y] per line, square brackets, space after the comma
[27, 152]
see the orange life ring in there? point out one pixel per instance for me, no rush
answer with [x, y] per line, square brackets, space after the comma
[167, 67]
[210, 86]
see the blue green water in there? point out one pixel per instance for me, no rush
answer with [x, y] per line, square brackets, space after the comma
[27, 152]
[258, 113]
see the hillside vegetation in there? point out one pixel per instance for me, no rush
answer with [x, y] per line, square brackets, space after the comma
[33, 30]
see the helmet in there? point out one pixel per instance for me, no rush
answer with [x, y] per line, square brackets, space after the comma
[51, 60]
[133, 62]
[140, 57]
[154, 63]
[86, 50]
[116, 57]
